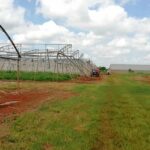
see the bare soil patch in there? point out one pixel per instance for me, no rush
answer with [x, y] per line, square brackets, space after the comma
[85, 79]
[48, 147]
[14, 102]
[107, 134]
[32, 94]
[143, 79]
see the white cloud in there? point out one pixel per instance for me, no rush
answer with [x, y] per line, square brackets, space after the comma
[107, 33]
[11, 16]
[106, 18]
[44, 32]
[110, 32]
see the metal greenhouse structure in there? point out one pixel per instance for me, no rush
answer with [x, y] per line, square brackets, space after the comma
[56, 58]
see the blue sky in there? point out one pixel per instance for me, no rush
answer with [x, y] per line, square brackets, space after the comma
[30, 14]
[108, 31]
[137, 8]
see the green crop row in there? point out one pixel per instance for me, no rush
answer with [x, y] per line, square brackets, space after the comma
[37, 76]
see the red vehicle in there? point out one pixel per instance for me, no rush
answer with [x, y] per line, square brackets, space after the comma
[95, 72]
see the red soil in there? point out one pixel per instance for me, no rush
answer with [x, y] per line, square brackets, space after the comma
[84, 79]
[143, 79]
[26, 100]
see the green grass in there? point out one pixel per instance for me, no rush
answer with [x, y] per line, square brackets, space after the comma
[38, 76]
[111, 115]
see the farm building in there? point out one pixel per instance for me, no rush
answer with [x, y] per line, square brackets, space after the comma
[129, 67]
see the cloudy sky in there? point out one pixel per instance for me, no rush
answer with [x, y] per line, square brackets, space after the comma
[107, 31]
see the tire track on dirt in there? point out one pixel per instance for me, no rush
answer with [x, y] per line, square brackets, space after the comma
[107, 135]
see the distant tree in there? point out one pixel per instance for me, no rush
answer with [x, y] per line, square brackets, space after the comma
[103, 69]
[130, 70]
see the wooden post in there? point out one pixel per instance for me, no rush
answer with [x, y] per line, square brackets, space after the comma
[18, 74]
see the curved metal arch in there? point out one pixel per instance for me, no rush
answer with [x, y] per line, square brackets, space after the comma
[7, 35]
[69, 58]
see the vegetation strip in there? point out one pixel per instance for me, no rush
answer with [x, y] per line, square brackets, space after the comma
[36, 76]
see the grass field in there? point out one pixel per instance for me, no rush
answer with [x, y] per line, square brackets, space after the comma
[112, 114]
[36, 76]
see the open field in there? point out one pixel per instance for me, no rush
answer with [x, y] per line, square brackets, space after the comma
[112, 113]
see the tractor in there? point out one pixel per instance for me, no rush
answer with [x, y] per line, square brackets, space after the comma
[95, 72]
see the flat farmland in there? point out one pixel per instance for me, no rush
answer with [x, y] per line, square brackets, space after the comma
[108, 113]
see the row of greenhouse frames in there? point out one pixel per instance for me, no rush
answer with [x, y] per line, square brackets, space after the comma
[41, 61]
